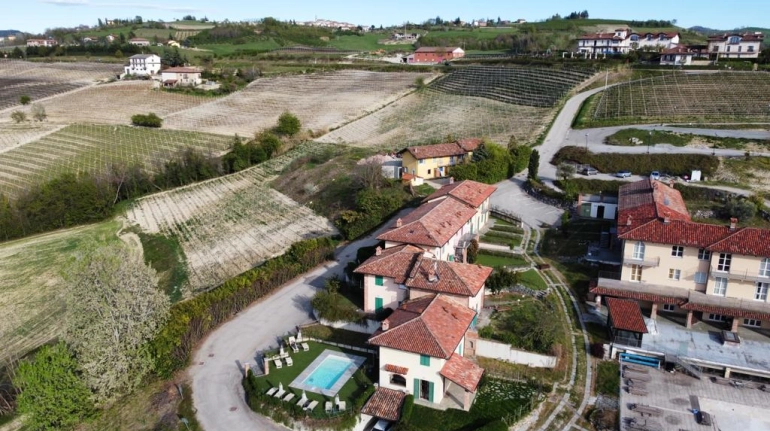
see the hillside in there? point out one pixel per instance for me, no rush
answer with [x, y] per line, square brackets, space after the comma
[4, 33]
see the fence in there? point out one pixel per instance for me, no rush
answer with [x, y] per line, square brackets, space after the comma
[547, 199]
[504, 352]
[506, 215]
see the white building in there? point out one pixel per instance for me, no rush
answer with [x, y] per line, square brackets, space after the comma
[143, 65]
[41, 42]
[138, 41]
[735, 45]
[624, 40]
[181, 76]
[676, 56]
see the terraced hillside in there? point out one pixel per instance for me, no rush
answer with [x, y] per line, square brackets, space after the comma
[528, 86]
[683, 97]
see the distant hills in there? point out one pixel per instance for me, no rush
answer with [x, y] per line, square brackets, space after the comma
[4, 33]
[706, 30]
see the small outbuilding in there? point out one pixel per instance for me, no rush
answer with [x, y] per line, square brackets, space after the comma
[625, 322]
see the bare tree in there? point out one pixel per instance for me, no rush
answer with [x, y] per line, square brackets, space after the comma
[113, 310]
[368, 174]
[38, 112]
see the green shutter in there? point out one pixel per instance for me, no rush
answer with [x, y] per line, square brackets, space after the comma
[451, 258]
[378, 281]
[425, 360]
[377, 304]
[416, 388]
[430, 392]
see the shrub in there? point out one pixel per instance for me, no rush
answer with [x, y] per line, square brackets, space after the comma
[149, 120]
[597, 350]
[491, 164]
[519, 156]
[534, 165]
[18, 116]
[674, 164]
[24, 100]
[407, 408]
[473, 251]
[38, 112]
[742, 209]
[329, 304]
[288, 124]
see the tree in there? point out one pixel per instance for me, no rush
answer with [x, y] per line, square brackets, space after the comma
[18, 116]
[565, 171]
[742, 209]
[149, 120]
[534, 164]
[99, 21]
[38, 112]
[53, 395]
[17, 53]
[288, 124]
[118, 54]
[24, 100]
[113, 310]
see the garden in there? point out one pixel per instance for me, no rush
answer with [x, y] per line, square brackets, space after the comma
[525, 323]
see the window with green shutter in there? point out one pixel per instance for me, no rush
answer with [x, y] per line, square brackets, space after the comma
[430, 392]
[425, 360]
[378, 303]
[378, 281]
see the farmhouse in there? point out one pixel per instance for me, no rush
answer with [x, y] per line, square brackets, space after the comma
[683, 268]
[421, 348]
[678, 55]
[143, 65]
[624, 40]
[181, 76]
[138, 41]
[436, 54]
[434, 161]
[42, 42]
[735, 45]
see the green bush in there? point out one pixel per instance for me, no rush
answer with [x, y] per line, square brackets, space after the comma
[288, 124]
[407, 408]
[372, 208]
[494, 426]
[24, 100]
[674, 164]
[608, 378]
[472, 254]
[332, 306]
[519, 157]
[591, 186]
[491, 164]
[510, 229]
[190, 321]
[149, 120]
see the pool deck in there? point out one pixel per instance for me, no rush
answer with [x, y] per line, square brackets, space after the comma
[299, 382]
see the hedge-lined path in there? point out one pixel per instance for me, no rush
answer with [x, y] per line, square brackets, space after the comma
[217, 365]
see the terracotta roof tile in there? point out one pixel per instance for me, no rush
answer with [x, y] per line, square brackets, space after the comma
[745, 37]
[747, 241]
[641, 296]
[431, 325]
[437, 48]
[677, 232]
[393, 262]
[626, 315]
[181, 70]
[463, 371]
[385, 404]
[451, 277]
[437, 150]
[471, 192]
[431, 224]
[396, 369]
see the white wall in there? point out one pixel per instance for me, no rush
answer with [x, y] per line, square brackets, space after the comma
[609, 210]
[369, 327]
[390, 292]
[504, 352]
[416, 371]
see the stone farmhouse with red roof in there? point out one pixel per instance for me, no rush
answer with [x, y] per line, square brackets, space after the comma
[625, 40]
[672, 264]
[435, 161]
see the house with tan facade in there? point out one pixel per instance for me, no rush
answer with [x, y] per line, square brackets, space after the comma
[699, 271]
[435, 161]
[421, 352]
[735, 45]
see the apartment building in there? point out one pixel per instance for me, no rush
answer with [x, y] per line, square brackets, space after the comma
[718, 273]
[625, 40]
[735, 45]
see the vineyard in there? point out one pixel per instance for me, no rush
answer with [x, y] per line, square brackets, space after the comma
[723, 96]
[184, 34]
[116, 102]
[95, 148]
[321, 101]
[530, 86]
[230, 224]
[14, 135]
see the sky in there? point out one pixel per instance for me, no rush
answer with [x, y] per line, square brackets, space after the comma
[35, 16]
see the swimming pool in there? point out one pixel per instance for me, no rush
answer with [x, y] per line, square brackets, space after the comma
[328, 372]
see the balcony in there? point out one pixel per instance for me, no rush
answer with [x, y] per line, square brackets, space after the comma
[651, 262]
[746, 275]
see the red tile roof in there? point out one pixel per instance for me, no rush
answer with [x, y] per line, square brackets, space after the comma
[431, 325]
[396, 369]
[451, 277]
[678, 49]
[437, 150]
[626, 315]
[393, 262]
[469, 144]
[677, 232]
[598, 36]
[471, 192]
[641, 296]
[745, 37]
[462, 371]
[748, 241]
[645, 200]
[726, 311]
[181, 70]
[437, 48]
[431, 224]
[385, 404]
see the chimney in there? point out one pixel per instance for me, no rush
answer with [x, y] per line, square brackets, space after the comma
[432, 275]
[671, 184]
[399, 222]
[666, 220]
[385, 325]
[451, 180]
[628, 221]
[733, 223]
[378, 251]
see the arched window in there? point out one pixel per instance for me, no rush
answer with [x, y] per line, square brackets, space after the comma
[398, 380]
[639, 251]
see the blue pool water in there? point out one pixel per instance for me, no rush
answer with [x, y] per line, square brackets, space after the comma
[328, 372]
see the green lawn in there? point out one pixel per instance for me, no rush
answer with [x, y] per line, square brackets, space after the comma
[366, 42]
[352, 388]
[497, 261]
[229, 48]
[533, 280]
[608, 378]
[623, 138]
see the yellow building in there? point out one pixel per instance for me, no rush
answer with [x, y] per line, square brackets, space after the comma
[435, 161]
[718, 273]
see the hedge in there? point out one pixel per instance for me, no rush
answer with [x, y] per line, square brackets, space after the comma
[674, 164]
[149, 120]
[190, 321]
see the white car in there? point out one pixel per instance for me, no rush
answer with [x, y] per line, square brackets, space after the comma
[654, 175]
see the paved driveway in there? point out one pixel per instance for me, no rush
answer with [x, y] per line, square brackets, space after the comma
[511, 197]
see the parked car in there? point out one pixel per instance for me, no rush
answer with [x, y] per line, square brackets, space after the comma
[703, 418]
[382, 425]
[589, 171]
[623, 174]
[654, 175]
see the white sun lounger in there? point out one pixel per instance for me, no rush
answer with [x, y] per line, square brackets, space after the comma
[271, 392]
[280, 393]
[328, 407]
[289, 361]
[305, 347]
[310, 407]
[289, 397]
[341, 406]
[293, 344]
[278, 363]
[302, 403]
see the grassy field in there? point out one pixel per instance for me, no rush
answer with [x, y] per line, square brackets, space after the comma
[532, 279]
[31, 301]
[644, 137]
[228, 48]
[498, 261]
[366, 42]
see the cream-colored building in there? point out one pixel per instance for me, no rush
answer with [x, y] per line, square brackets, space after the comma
[435, 161]
[735, 45]
[674, 265]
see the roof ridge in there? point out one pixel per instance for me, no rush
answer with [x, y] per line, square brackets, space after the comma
[459, 276]
[637, 227]
[737, 231]
[434, 338]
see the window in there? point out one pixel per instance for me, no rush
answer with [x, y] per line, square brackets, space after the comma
[700, 278]
[716, 48]
[724, 262]
[735, 39]
[378, 280]
[636, 273]
[764, 268]
[717, 317]
[720, 286]
[639, 251]
[421, 161]
[649, 37]
[704, 254]
[750, 48]
[429, 171]
[760, 293]
[674, 274]
[752, 322]
[425, 360]
[728, 48]
[398, 380]
[677, 251]
[669, 307]
[634, 38]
